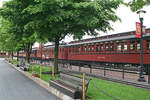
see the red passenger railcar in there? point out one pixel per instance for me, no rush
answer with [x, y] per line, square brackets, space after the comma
[48, 52]
[122, 48]
[118, 48]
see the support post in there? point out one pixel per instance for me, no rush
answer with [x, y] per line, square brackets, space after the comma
[148, 73]
[32, 68]
[148, 79]
[123, 72]
[52, 73]
[83, 86]
[141, 76]
[104, 71]
[79, 68]
[40, 71]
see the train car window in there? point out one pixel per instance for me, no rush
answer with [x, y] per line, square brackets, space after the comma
[92, 48]
[78, 49]
[72, 49]
[138, 46]
[97, 48]
[119, 47]
[148, 45]
[125, 47]
[82, 49]
[107, 47]
[89, 48]
[102, 48]
[85, 49]
[112, 47]
[132, 46]
[69, 49]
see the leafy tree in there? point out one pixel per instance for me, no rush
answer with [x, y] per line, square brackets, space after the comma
[54, 19]
[7, 40]
[13, 11]
[138, 4]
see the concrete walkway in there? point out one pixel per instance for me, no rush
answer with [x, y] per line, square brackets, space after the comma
[15, 86]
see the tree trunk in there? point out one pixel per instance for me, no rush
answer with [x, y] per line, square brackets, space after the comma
[56, 55]
[41, 53]
[17, 55]
[28, 50]
[27, 56]
[12, 55]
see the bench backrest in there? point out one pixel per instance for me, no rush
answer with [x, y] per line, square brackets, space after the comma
[75, 80]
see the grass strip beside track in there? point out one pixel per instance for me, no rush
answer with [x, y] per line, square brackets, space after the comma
[45, 77]
[117, 90]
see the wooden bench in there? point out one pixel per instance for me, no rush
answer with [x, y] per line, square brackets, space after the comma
[70, 85]
[24, 66]
[21, 63]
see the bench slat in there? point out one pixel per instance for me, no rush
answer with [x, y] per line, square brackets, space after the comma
[70, 85]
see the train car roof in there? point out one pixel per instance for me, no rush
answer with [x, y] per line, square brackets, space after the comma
[115, 37]
[52, 46]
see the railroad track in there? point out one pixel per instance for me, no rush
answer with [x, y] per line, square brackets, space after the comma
[139, 85]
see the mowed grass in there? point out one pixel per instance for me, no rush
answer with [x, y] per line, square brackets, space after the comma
[117, 90]
[15, 61]
[96, 86]
[45, 77]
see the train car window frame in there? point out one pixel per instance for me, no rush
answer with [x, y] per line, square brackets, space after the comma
[85, 49]
[69, 49]
[107, 47]
[101, 48]
[138, 46]
[82, 50]
[78, 49]
[119, 47]
[89, 48]
[97, 48]
[132, 46]
[111, 47]
[125, 47]
[92, 48]
[72, 49]
[148, 44]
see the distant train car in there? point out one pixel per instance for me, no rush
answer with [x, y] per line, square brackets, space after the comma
[48, 52]
[2, 54]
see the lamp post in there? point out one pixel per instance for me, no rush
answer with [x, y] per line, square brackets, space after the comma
[141, 76]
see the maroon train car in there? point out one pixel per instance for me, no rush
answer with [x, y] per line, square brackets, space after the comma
[48, 52]
[121, 48]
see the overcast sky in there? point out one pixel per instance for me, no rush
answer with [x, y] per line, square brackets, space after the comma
[128, 19]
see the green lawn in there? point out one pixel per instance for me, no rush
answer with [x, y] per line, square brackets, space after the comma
[117, 90]
[45, 77]
[15, 61]
[120, 91]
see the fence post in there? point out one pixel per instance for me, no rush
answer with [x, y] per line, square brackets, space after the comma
[79, 68]
[83, 86]
[148, 74]
[123, 72]
[52, 73]
[40, 71]
[104, 71]
[32, 68]
[148, 79]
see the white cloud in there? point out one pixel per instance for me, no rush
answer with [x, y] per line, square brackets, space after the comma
[128, 20]
[1, 2]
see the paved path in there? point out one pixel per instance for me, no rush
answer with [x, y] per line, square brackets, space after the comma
[15, 86]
